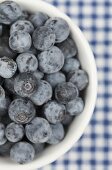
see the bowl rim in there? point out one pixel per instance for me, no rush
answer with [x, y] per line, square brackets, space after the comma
[40, 163]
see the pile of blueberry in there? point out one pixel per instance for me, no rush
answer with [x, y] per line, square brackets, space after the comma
[41, 82]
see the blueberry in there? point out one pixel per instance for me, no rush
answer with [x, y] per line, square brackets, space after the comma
[60, 27]
[20, 41]
[57, 134]
[67, 120]
[25, 84]
[38, 130]
[43, 38]
[14, 132]
[9, 85]
[27, 62]
[22, 152]
[71, 64]
[1, 29]
[68, 47]
[8, 67]
[79, 78]
[22, 25]
[38, 19]
[55, 78]
[65, 92]
[51, 61]
[54, 112]
[42, 94]
[9, 12]
[75, 107]
[3, 139]
[21, 111]
[5, 149]
[4, 104]
[5, 50]
[39, 147]
[38, 74]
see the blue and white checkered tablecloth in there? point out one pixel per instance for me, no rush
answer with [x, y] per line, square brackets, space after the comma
[94, 150]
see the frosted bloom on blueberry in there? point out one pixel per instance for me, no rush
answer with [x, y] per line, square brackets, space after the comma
[60, 27]
[75, 107]
[22, 152]
[43, 93]
[68, 47]
[8, 67]
[20, 41]
[65, 92]
[79, 78]
[43, 38]
[14, 132]
[22, 25]
[38, 130]
[25, 84]
[58, 134]
[54, 112]
[39, 147]
[9, 12]
[51, 61]
[55, 78]
[21, 111]
[38, 19]
[71, 64]
[27, 62]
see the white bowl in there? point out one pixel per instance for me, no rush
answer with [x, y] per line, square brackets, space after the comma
[80, 122]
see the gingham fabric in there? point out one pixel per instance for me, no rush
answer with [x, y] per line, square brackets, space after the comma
[94, 150]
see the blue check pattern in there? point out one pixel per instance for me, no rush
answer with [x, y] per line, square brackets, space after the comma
[94, 150]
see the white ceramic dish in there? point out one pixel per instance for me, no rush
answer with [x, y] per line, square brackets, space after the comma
[77, 127]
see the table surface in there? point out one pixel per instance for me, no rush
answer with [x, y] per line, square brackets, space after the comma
[94, 150]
